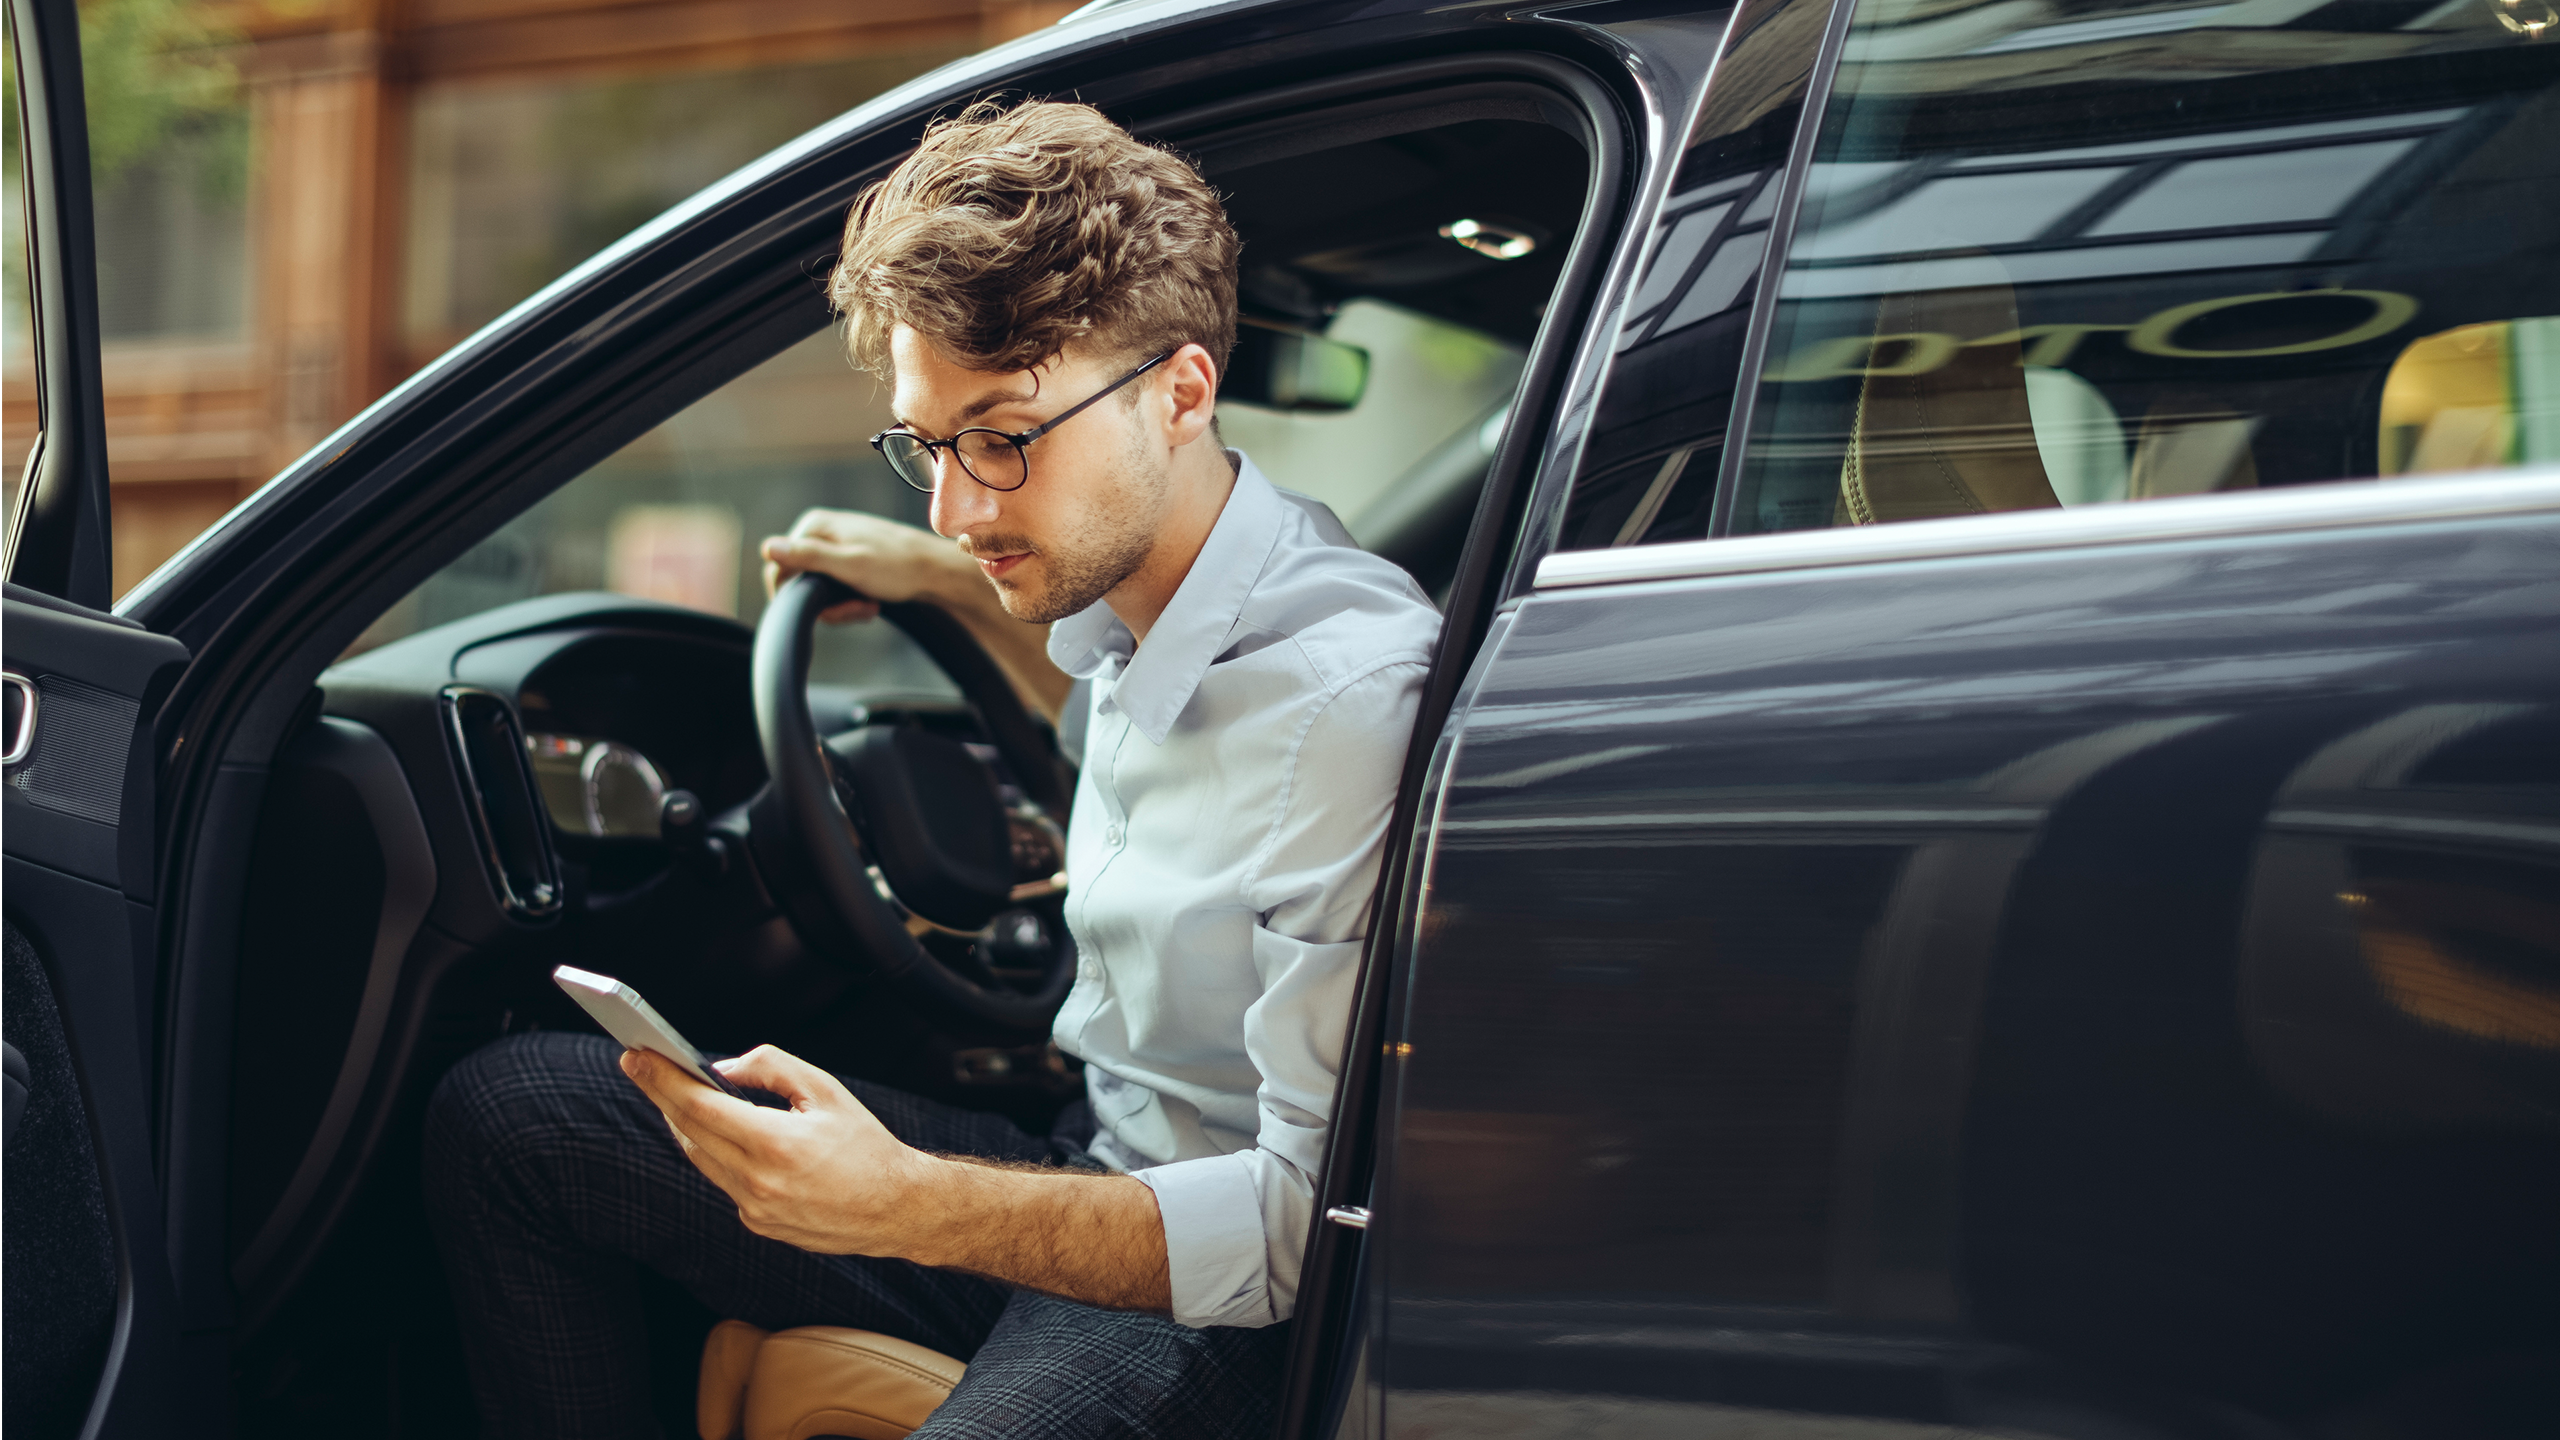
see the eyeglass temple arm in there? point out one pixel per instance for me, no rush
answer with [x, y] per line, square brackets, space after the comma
[1072, 411]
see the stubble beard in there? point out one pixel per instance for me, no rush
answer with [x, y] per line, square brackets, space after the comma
[1091, 561]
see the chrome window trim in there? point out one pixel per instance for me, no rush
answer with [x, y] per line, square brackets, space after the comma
[2195, 517]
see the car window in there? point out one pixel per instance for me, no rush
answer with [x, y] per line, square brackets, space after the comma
[2062, 255]
[1649, 462]
[677, 514]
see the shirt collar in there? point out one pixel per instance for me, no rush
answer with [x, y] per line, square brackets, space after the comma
[1159, 677]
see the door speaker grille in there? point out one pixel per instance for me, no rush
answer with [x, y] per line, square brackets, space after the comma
[84, 736]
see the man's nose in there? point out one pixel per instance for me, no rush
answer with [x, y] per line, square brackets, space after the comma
[959, 502]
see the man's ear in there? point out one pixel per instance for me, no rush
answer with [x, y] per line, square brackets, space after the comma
[1191, 383]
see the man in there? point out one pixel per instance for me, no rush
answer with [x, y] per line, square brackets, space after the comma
[1053, 302]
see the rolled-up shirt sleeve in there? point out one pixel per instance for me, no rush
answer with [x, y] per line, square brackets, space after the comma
[1236, 1225]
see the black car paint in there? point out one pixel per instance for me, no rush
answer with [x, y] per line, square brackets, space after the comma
[1859, 992]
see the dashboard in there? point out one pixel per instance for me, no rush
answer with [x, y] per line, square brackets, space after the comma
[462, 809]
[613, 704]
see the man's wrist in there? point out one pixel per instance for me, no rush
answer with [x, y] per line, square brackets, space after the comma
[927, 1209]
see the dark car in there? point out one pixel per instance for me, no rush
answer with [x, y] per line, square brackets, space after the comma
[1880, 939]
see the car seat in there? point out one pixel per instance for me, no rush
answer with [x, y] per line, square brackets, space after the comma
[814, 1381]
[1977, 430]
[1953, 438]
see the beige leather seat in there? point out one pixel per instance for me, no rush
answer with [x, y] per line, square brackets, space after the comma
[1954, 434]
[1955, 438]
[817, 1380]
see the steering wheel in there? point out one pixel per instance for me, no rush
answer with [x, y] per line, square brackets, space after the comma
[898, 846]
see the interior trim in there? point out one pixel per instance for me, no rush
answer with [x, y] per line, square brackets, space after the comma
[1401, 111]
[2190, 517]
[365, 759]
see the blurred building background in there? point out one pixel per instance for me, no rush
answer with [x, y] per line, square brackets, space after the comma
[301, 201]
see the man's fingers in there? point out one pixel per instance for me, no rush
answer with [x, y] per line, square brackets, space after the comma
[825, 522]
[703, 1160]
[786, 556]
[712, 1123]
[786, 1075]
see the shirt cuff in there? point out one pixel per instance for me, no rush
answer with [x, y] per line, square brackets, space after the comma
[1213, 1241]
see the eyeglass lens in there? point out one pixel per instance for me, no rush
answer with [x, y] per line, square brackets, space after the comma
[991, 458]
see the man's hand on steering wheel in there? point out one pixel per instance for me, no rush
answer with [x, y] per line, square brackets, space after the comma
[881, 558]
[892, 562]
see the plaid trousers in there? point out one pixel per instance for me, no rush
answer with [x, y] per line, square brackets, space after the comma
[551, 1181]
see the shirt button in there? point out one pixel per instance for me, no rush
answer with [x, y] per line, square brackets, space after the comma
[1111, 836]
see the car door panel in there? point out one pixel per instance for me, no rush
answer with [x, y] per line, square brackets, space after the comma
[79, 808]
[1936, 992]
[60, 1249]
[91, 674]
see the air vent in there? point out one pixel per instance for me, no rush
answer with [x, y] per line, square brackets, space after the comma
[497, 783]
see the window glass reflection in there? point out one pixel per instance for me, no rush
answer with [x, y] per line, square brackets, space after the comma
[2056, 256]
[2205, 295]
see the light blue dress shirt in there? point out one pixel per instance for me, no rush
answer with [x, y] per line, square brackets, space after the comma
[1238, 771]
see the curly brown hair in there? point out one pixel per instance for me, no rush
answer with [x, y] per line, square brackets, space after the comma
[1011, 234]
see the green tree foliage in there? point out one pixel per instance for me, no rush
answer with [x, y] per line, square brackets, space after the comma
[158, 73]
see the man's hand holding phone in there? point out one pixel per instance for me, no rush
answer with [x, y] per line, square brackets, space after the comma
[824, 1175]
[827, 1176]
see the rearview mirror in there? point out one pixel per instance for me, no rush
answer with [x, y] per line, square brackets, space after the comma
[1280, 368]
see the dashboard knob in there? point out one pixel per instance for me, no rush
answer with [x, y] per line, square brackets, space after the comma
[679, 817]
[684, 824]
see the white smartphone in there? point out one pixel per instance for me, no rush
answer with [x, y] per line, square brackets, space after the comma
[627, 1018]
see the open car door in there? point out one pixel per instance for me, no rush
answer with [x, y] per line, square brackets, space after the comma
[91, 1316]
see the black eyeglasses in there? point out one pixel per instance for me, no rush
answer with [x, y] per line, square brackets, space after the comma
[993, 458]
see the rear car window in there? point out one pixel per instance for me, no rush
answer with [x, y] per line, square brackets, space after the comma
[2051, 256]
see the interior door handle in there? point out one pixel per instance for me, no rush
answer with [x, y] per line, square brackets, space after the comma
[21, 702]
